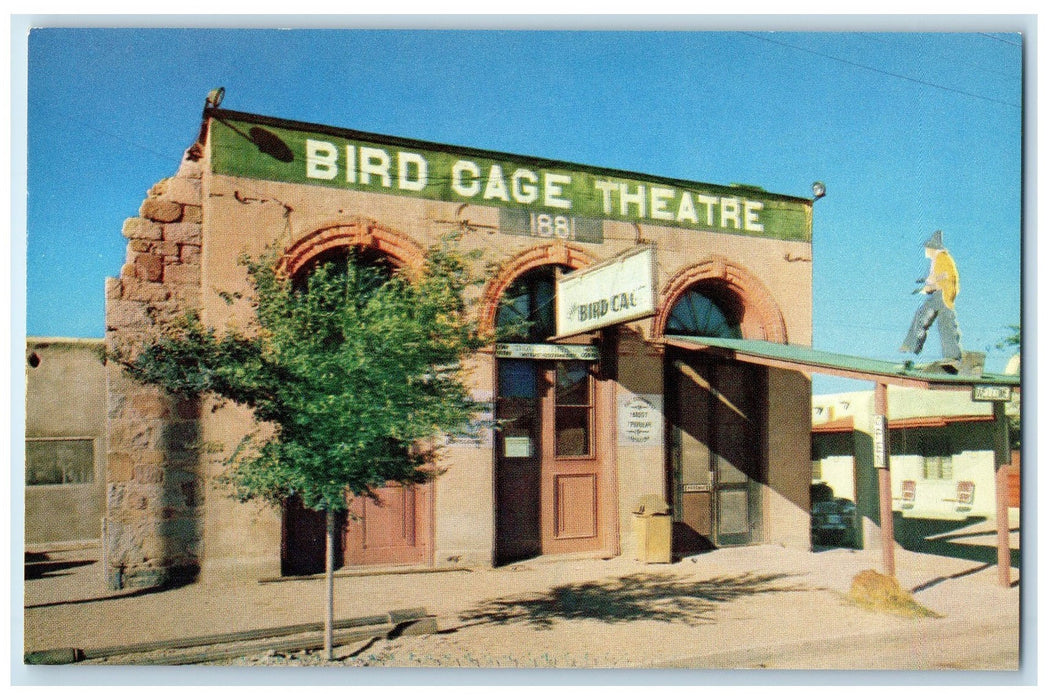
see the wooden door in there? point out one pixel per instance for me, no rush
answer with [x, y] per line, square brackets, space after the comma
[715, 466]
[548, 481]
[570, 461]
[395, 529]
[304, 540]
[691, 478]
[398, 529]
[518, 464]
[735, 419]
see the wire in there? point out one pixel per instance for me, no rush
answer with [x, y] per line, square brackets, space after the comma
[881, 71]
[951, 58]
[1003, 41]
[166, 157]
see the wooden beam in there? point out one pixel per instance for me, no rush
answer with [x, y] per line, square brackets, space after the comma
[1001, 459]
[884, 475]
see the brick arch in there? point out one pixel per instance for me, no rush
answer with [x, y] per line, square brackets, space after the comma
[760, 318]
[552, 254]
[357, 233]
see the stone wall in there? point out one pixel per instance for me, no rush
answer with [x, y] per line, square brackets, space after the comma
[151, 530]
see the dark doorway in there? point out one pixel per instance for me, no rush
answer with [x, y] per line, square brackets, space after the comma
[714, 414]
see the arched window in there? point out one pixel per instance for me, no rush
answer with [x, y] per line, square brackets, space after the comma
[528, 306]
[381, 267]
[697, 313]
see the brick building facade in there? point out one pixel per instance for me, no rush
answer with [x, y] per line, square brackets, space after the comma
[584, 427]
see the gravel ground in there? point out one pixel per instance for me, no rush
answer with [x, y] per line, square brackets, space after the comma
[717, 610]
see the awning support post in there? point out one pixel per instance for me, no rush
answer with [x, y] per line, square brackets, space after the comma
[1002, 458]
[882, 460]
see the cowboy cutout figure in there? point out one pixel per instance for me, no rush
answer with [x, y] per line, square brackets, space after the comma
[941, 287]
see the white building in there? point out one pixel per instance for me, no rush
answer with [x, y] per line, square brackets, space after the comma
[942, 457]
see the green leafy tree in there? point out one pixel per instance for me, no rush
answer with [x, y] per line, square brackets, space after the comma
[1013, 339]
[350, 374]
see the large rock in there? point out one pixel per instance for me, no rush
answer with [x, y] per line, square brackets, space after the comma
[162, 210]
[182, 233]
[139, 228]
[184, 191]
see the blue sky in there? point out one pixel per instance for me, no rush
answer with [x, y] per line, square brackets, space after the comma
[911, 132]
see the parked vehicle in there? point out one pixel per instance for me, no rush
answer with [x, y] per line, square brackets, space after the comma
[833, 522]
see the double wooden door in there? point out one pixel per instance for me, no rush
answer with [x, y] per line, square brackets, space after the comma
[397, 528]
[715, 414]
[548, 478]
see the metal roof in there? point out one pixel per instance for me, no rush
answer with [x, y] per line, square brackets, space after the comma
[805, 359]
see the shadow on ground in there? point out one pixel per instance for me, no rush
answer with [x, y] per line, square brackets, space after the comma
[931, 536]
[38, 566]
[657, 597]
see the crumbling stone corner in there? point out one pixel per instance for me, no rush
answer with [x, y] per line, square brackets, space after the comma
[151, 529]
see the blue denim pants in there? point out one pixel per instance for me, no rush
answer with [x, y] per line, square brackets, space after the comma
[934, 308]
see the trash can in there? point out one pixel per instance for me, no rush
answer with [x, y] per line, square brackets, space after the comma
[653, 528]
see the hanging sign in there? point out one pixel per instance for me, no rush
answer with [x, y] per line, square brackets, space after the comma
[987, 392]
[880, 442]
[618, 290]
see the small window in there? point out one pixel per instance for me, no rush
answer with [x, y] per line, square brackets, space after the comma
[59, 462]
[938, 467]
[933, 447]
[574, 410]
[528, 307]
[517, 407]
[698, 314]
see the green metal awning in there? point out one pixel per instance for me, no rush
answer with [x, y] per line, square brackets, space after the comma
[804, 359]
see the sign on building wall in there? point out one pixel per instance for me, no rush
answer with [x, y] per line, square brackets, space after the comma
[615, 291]
[553, 199]
[987, 392]
[546, 351]
[640, 420]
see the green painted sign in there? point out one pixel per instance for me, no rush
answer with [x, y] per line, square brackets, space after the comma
[544, 194]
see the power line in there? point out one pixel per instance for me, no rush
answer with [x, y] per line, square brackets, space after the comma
[951, 58]
[1003, 41]
[881, 71]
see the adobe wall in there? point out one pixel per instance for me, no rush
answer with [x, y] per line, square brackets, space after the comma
[787, 494]
[66, 400]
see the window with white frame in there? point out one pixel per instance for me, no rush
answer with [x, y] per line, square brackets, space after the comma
[51, 461]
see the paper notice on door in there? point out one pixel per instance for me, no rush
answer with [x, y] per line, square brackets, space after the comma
[517, 447]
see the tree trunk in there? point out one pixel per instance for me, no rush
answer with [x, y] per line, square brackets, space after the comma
[329, 569]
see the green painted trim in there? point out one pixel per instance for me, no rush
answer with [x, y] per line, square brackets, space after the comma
[816, 359]
[264, 148]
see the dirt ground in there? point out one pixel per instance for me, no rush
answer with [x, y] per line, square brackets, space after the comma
[743, 608]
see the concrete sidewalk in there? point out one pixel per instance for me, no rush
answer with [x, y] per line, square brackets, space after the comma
[747, 607]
